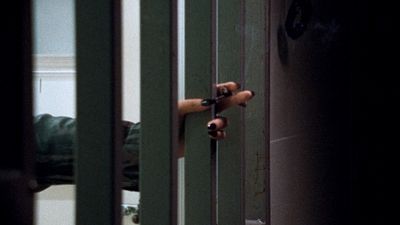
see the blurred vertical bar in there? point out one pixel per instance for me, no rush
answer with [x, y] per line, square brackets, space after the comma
[200, 152]
[231, 150]
[257, 112]
[98, 193]
[17, 159]
[159, 116]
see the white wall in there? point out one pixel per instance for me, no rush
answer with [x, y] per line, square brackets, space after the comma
[54, 89]
[54, 27]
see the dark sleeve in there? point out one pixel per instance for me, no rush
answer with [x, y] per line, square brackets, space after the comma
[56, 146]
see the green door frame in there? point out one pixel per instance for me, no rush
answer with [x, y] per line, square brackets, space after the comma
[98, 60]
[17, 154]
[159, 117]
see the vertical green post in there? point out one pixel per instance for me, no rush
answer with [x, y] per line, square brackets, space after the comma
[98, 61]
[159, 122]
[199, 163]
[17, 156]
[257, 113]
[231, 150]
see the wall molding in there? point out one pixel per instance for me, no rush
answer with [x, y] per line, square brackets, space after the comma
[54, 65]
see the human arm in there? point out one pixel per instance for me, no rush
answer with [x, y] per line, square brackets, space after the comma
[56, 147]
[56, 144]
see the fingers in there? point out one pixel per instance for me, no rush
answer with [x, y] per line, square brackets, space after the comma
[240, 98]
[230, 86]
[215, 128]
[228, 95]
[217, 124]
[226, 89]
[217, 135]
[192, 105]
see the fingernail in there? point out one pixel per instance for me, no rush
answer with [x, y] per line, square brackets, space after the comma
[207, 102]
[243, 105]
[226, 92]
[238, 85]
[213, 133]
[211, 126]
[253, 93]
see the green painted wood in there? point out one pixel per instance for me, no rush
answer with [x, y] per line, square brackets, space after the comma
[158, 162]
[231, 150]
[17, 156]
[98, 192]
[199, 205]
[257, 112]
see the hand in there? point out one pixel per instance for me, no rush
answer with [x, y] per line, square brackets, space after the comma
[217, 125]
